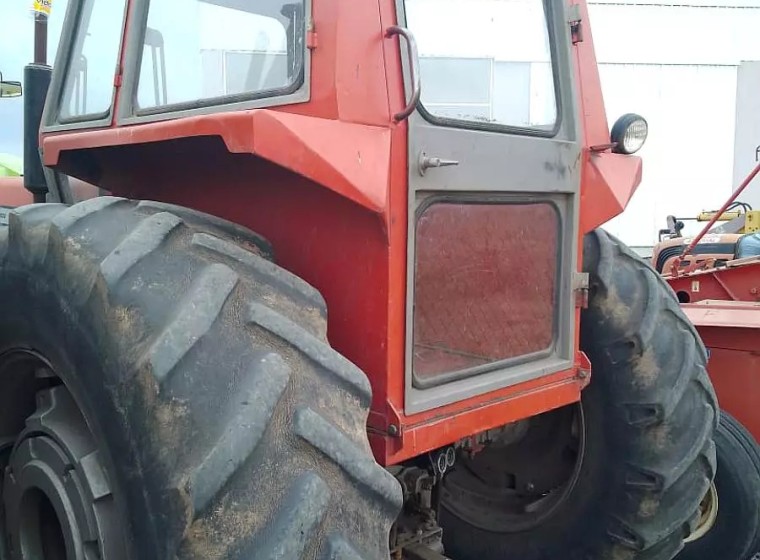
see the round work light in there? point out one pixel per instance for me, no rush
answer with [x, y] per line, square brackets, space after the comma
[629, 134]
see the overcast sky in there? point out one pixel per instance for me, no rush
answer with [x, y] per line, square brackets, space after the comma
[17, 50]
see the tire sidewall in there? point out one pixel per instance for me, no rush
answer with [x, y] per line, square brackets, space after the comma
[737, 482]
[36, 317]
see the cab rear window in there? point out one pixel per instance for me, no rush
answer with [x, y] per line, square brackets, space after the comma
[198, 52]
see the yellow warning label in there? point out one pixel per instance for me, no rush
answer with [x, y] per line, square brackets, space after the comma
[42, 6]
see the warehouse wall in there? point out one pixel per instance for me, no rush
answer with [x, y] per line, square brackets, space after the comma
[688, 158]
[676, 65]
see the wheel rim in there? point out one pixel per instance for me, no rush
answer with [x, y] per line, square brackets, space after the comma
[521, 506]
[56, 499]
[708, 513]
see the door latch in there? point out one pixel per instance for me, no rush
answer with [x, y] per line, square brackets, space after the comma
[580, 289]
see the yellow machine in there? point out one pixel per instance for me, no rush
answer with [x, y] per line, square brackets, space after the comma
[745, 222]
[720, 245]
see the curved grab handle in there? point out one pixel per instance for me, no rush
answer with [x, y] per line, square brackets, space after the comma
[414, 68]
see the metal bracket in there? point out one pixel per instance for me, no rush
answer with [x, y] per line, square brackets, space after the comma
[580, 289]
[575, 19]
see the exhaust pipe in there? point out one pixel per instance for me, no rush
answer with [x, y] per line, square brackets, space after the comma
[36, 84]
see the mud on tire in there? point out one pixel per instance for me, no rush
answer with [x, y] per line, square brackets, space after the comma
[227, 426]
[650, 414]
[662, 412]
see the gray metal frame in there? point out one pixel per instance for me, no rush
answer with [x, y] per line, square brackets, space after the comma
[512, 164]
[130, 74]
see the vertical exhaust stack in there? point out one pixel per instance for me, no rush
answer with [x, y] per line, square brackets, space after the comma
[36, 83]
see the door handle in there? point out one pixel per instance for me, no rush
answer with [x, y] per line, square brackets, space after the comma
[426, 162]
[414, 70]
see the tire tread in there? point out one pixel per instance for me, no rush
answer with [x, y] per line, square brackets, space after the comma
[670, 480]
[212, 373]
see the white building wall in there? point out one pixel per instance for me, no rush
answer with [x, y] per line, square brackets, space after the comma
[688, 157]
[675, 64]
[747, 134]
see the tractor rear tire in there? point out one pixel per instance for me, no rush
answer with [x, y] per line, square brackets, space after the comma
[649, 415]
[737, 483]
[169, 392]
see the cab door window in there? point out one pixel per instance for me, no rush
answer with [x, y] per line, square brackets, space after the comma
[485, 61]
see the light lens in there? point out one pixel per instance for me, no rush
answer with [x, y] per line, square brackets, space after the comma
[635, 136]
[629, 134]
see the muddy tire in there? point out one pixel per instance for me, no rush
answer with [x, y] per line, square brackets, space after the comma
[182, 392]
[649, 416]
[734, 534]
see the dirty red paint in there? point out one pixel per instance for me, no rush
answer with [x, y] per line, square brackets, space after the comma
[13, 193]
[731, 332]
[739, 280]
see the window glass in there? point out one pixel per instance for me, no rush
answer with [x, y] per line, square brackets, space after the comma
[89, 82]
[485, 285]
[487, 61]
[198, 50]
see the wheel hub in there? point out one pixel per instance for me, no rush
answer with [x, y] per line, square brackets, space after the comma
[708, 513]
[514, 489]
[56, 497]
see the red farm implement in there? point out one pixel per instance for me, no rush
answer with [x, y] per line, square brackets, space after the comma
[719, 290]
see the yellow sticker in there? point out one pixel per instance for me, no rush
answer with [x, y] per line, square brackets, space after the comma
[42, 7]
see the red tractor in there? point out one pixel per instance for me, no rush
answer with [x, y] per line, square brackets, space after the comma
[172, 383]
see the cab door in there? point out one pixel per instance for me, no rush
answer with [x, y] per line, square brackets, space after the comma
[494, 177]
